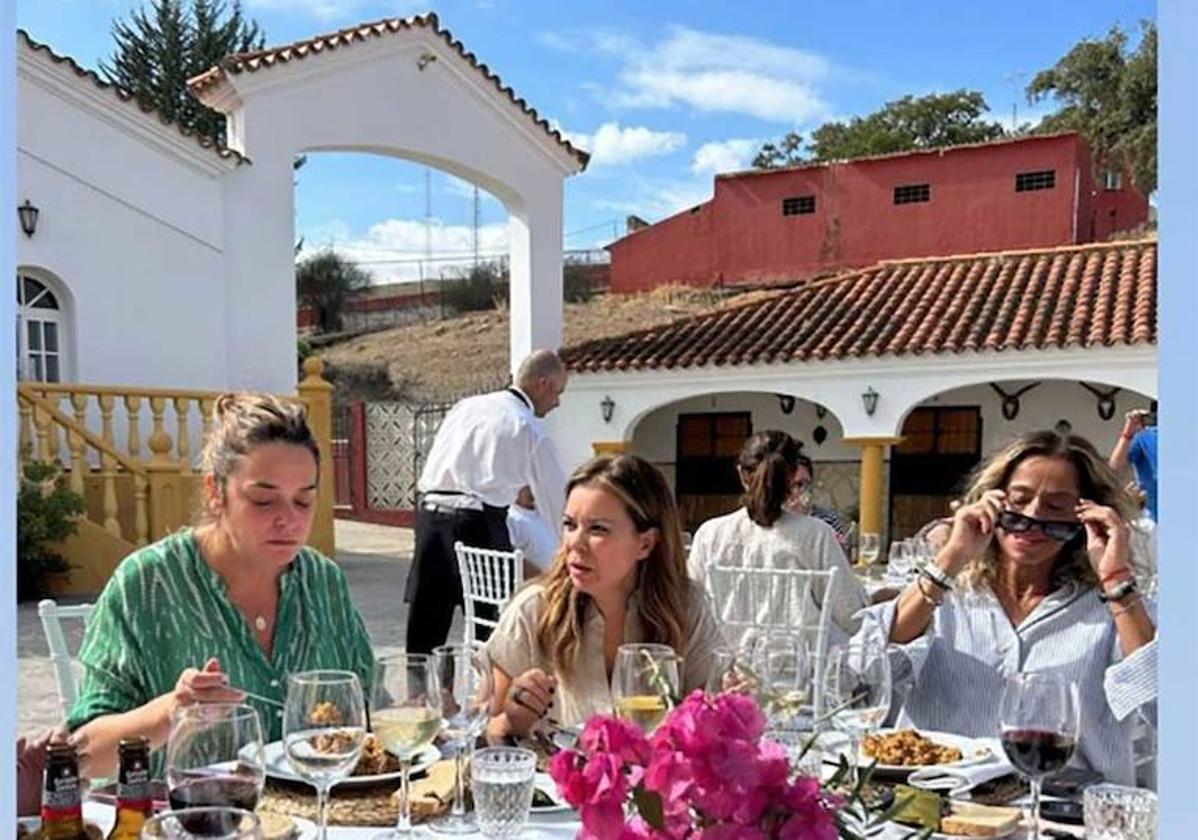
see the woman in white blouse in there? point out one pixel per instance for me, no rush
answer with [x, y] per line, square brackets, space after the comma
[1036, 575]
[763, 534]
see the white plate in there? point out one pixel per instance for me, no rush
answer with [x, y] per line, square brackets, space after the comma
[544, 783]
[973, 751]
[304, 829]
[278, 767]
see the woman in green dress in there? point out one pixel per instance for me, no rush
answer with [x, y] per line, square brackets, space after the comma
[226, 610]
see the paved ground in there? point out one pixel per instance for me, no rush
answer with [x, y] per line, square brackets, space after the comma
[375, 559]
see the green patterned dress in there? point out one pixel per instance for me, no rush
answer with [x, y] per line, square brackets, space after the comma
[165, 610]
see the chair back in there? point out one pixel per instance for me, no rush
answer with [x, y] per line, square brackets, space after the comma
[488, 577]
[61, 658]
[750, 601]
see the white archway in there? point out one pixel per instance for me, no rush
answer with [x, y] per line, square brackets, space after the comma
[402, 88]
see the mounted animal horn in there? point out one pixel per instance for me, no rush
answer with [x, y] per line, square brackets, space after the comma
[1010, 402]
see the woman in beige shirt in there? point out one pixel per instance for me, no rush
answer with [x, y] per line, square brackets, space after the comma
[619, 576]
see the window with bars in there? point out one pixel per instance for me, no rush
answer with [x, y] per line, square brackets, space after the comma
[913, 194]
[1112, 180]
[1044, 179]
[799, 205]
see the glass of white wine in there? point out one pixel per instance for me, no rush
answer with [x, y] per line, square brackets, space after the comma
[406, 716]
[646, 683]
[324, 728]
[869, 549]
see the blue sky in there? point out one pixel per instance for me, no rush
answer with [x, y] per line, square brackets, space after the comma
[663, 94]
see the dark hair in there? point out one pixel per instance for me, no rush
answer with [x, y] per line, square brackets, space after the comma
[805, 461]
[767, 464]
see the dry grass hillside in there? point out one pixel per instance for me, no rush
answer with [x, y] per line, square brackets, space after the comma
[468, 353]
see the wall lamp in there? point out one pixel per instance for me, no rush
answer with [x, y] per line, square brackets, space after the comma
[608, 406]
[870, 400]
[27, 212]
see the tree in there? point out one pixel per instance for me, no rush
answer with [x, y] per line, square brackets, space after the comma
[325, 282]
[160, 47]
[924, 122]
[1108, 95]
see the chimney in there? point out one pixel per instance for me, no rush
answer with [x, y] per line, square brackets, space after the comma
[634, 223]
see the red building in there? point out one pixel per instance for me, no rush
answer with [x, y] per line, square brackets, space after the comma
[787, 224]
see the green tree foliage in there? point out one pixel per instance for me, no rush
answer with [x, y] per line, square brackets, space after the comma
[325, 282]
[162, 45]
[479, 288]
[1107, 94]
[923, 122]
[47, 512]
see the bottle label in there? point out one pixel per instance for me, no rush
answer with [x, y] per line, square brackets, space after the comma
[133, 789]
[60, 798]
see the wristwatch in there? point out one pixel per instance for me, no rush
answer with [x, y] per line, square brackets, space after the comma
[1119, 592]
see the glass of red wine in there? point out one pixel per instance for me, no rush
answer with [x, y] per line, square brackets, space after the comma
[214, 757]
[1038, 715]
[208, 823]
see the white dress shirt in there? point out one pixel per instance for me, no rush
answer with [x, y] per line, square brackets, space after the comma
[954, 673]
[531, 534]
[488, 447]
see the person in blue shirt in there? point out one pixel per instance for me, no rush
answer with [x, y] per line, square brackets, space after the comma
[1137, 447]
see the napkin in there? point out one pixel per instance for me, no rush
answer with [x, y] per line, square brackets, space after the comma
[961, 779]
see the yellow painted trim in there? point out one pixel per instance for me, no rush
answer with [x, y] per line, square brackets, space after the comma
[883, 440]
[608, 447]
[870, 500]
[65, 422]
[113, 391]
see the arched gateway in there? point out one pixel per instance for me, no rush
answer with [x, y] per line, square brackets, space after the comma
[400, 87]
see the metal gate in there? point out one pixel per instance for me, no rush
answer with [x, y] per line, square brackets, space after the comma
[398, 438]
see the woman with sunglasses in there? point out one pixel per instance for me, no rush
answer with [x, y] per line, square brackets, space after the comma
[1036, 576]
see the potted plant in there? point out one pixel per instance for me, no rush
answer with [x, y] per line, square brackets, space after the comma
[47, 512]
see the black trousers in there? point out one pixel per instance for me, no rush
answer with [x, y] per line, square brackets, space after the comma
[434, 589]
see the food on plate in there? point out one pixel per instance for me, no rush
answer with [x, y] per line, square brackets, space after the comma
[969, 819]
[541, 799]
[325, 714]
[277, 826]
[907, 748]
[918, 808]
[375, 760]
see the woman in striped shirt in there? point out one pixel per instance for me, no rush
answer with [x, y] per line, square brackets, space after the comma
[225, 610]
[1036, 575]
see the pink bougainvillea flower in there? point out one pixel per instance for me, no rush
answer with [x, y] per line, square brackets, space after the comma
[619, 737]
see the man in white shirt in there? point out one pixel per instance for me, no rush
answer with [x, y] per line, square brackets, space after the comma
[486, 449]
[531, 533]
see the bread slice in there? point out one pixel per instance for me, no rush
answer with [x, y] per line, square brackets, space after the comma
[277, 826]
[969, 819]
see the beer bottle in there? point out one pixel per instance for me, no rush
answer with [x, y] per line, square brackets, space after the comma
[62, 795]
[132, 789]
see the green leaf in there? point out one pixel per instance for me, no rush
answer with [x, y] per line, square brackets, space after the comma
[649, 806]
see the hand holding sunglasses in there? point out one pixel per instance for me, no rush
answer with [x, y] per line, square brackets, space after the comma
[973, 528]
[1107, 539]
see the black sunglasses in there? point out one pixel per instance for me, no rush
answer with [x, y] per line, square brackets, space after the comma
[1017, 523]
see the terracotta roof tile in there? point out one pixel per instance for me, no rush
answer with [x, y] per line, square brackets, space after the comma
[252, 62]
[125, 95]
[1076, 296]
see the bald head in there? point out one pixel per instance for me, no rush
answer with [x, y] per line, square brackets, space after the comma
[542, 376]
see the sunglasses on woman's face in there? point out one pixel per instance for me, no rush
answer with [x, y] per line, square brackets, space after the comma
[1017, 523]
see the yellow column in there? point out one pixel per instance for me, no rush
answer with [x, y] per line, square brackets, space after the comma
[609, 447]
[872, 517]
[317, 394]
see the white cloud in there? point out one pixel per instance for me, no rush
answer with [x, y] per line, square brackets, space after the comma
[724, 156]
[393, 249]
[708, 71]
[613, 145]
[329, 10]
[654, 199]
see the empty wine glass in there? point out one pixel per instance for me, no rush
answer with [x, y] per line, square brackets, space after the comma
[901, 560]
[1038, 716]
[869, 549]
[206, 823]
[214, 756]
[732, 670]
[464, 676]
[406, 717]
[782, 663]
[646, 683]
[324, 729]
[857, 690]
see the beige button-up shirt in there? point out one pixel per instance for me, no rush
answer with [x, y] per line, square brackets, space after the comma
[514, 649]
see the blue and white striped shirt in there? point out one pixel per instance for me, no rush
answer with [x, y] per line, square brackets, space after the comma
[954, 674]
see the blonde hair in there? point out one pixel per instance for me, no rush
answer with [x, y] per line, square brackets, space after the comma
[1096, 482]
[244, 421]
[660, 578]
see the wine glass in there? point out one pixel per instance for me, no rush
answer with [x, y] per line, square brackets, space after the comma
[324, 729]
[465, 679]
[205, 823]
[901, 559]
[215, 756]
[857, 690]
[782, 663]
[731, 670]
[406, 716]
[869, 549]
[1038, 715]
[646, 683]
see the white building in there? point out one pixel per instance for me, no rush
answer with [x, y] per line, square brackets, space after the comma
[159, 260]
[903, 368]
